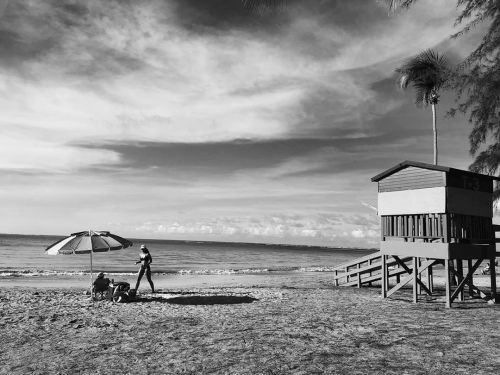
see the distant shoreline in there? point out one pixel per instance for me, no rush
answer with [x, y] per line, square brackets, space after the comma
[221, 243]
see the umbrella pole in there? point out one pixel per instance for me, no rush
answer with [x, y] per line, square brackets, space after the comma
[91, 275]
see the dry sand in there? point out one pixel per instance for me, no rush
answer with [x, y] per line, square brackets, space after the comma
[288, 324]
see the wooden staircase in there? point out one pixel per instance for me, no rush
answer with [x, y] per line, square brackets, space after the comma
[366, 270]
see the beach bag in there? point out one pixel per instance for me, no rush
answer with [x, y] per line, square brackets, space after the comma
[121, 292]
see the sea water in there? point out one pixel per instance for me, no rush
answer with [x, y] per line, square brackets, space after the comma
[24, 256]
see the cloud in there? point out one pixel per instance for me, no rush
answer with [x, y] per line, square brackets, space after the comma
[134, 71]
[287, 228]
[359, 233]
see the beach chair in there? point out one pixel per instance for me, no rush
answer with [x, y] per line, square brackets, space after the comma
[101, 286]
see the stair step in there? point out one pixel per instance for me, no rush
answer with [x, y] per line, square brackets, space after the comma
[354, 273]
[373, 278]
[368, 268]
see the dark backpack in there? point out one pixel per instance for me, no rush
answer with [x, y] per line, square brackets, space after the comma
[121, 291]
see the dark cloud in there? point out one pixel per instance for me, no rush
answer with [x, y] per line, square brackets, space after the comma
[15, 49]
[64, 36]
[309, 28]
[223, 158]
[357, 16]
[216, 157]
[215, 16]
[23, 35]
[65, 33]
[71, 11]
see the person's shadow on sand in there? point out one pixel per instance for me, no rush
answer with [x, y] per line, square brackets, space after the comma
[201, 300]
[210, 300]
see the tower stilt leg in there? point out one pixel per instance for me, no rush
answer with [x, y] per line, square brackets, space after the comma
[415, 276]
[447, 282]
[460, 271]
[430, 280]
[493, 278]
[384, 276]
[469, 267]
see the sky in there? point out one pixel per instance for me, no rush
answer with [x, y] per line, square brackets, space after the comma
[204, 120]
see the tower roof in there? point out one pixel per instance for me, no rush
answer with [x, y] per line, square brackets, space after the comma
[410, 163]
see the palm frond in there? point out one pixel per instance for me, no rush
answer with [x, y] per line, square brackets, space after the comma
[419, 97]
[487, 161]
[394, 5]
[427, 72]
[403, 81]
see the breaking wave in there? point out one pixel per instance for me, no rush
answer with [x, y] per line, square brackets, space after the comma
[11, 273]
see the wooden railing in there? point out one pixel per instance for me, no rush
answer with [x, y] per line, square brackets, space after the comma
[496, 228]
[365, 270]
[438, 227]
[414, 226]
[466, 227]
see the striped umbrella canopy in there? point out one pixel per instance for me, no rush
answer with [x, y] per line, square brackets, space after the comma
[88, 242]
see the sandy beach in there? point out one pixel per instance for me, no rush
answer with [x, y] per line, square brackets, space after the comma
[252, 324]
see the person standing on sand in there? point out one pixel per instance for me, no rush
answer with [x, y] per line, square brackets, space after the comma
[145, 260]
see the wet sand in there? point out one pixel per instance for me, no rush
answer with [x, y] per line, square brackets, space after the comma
[243, 324]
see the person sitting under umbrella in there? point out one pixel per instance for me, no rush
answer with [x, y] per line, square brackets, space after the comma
[88, 242]
[101, 284]
[145, 260]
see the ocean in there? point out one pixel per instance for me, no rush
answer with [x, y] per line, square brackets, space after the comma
[24, 256]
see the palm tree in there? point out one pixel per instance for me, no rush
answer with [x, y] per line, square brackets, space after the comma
[427, 72]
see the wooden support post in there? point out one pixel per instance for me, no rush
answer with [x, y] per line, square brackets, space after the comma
[359, 276]
[493, 278]
[460, 277]
[418, 284]
[446, 227]
[430, 279]
[371, 273]
[447, 282]
[384, 276]
[453, 277]
[469, 267]
[415, 276]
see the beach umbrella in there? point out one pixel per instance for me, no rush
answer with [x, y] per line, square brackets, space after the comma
[88, 242]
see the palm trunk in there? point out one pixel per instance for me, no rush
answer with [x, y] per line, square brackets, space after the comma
[434, 128]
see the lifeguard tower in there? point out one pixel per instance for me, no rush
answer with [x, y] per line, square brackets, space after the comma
[435, 215]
